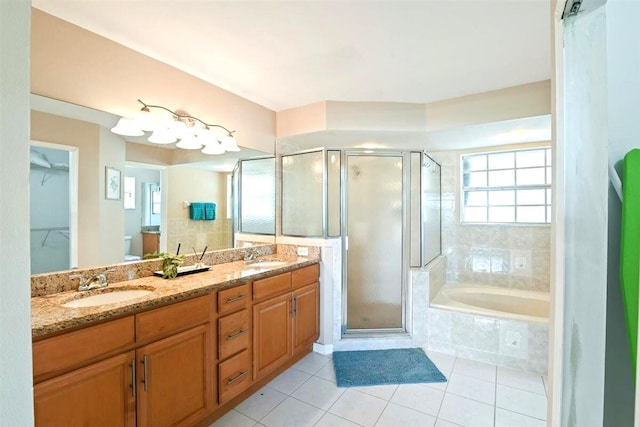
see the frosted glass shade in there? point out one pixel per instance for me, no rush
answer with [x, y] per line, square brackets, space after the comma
[189, 142]
[127, 127]
[229, 143]
[213, 149]
[162, 136]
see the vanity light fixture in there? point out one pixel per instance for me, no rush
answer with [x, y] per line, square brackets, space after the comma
[190, 132]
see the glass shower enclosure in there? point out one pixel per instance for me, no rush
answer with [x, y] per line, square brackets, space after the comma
[385, 206]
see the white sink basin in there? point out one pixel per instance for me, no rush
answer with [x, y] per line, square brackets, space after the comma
[250, 271]
[268, 264]
[107, 298]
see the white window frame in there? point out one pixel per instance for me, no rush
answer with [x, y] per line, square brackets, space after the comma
[515, 187]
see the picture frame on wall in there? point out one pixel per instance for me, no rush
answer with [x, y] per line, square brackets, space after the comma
[112, 183]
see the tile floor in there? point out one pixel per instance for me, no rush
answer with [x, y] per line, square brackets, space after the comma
[476, 394]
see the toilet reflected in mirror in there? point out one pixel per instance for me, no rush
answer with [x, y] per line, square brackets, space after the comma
[127, 251]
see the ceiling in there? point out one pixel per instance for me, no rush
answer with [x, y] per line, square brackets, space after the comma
[285, 54]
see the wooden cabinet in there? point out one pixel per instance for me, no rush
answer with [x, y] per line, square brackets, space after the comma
[306, 317]
[166, 381]
[287, 324]
[181, 364]
[173, 379]
[234, 333]
[150, 243]
[234, 341]
[234, 375]
[233, 299]
[271, 334]
[61, 353]
[100, 394]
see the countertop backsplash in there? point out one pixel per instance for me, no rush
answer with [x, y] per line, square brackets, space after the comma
[51, 283]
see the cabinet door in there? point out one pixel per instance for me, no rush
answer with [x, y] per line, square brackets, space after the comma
[100, 394]
[174, 379]
[306, 322]
[271, 334]
[150, 243]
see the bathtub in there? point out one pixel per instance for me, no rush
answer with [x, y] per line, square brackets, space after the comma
[502, 303]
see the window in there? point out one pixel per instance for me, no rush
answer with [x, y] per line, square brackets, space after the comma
[129, 192]
[155, 201]
[507, 187]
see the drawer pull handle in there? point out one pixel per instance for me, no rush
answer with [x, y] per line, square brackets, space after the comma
[237, 377]
[238, 298]
[237, 334]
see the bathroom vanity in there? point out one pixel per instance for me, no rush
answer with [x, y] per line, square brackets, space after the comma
[150, 242]
[184, 354]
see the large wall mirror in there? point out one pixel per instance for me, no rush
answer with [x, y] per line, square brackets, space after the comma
[98, 198]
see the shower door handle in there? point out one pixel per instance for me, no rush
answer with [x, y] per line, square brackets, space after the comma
[346, 243]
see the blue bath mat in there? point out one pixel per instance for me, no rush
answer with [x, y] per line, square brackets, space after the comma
[377, 367]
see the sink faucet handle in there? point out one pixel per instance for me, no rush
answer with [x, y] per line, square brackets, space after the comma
[111, 270]
[78, 276]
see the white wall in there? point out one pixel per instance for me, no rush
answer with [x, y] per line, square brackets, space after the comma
[585, 201]
[111, 212]
[16, 402]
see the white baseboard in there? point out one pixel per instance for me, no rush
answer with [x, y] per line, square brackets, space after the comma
[322, 348]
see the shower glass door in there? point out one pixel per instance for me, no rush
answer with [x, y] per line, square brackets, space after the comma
[375, 221]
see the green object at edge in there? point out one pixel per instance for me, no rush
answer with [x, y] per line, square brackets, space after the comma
[630, 247]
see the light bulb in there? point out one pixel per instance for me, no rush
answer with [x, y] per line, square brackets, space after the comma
[229, 143]
[145, 120]
[213, 149]
[178, 128]
[127, 127]
[206, 137]
[162, 136]
[189, 142]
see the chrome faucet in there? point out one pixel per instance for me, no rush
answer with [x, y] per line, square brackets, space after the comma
[98, 280]
[250, 258]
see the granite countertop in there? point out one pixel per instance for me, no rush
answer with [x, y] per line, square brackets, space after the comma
[48, 315]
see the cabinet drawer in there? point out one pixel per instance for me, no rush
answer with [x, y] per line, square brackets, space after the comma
[305, 275]
[73, 348]
[173, 318]
[234, 376]
[233, 333]
[275, 285]
[232, 299]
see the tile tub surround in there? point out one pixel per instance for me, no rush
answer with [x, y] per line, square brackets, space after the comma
[52, 283]
[486, 254]
[48, 315]
[508, 343]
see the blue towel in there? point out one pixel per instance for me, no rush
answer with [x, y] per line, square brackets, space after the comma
[209, 211]
[196, 211]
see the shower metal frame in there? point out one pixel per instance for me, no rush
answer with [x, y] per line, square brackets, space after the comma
[405, 329]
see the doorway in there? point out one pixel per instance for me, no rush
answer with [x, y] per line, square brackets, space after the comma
[53, 207]
[375, 243]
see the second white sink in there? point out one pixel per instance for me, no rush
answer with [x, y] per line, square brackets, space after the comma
[107, 298]
[268, 264]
